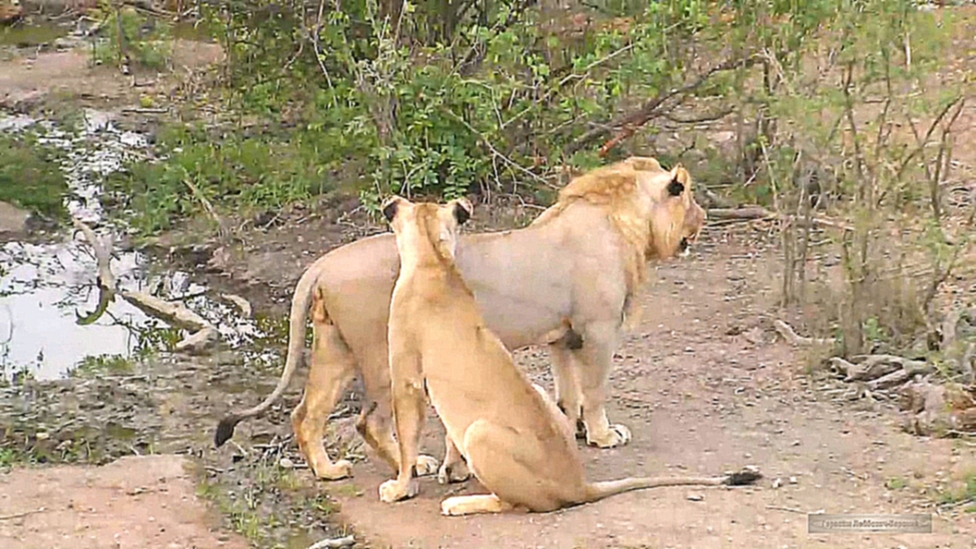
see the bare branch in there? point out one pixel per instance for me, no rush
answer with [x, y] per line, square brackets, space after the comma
[631, 122]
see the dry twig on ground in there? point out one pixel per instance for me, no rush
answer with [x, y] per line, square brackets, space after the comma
[791, 337]
[347, 541]
[202, 332]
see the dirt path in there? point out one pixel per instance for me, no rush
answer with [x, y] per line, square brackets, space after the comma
[701, 401]
[131, 503]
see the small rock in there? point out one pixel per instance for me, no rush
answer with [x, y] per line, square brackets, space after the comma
[12, 219]
[695, 497]
[793, 480]
[796, 443]
[286, 463]
[777, 483]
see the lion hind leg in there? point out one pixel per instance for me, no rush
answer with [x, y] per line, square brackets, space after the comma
[568, 397]
[515, 467]
[331, 369]
[454, 469]
[470, 505]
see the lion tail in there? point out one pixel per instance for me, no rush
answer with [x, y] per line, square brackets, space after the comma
[596, 491]
[296, 345]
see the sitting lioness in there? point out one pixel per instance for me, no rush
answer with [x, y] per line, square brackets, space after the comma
[515, 439]
[568, 281]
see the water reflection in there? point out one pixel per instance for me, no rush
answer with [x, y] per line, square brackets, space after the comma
[52, 314]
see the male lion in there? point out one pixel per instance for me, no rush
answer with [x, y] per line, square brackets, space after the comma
[567, 280]
[514, 438]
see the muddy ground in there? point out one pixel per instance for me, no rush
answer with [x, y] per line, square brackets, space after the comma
[704, 384]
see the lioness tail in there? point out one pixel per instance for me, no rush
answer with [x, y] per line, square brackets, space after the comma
[596, 491]
[296, 345]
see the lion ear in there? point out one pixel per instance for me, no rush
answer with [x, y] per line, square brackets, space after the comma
[675, 187]
[390, 207]
[463, 210]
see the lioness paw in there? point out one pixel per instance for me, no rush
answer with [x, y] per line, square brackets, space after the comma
[333, 471]
[616, 435]
[451, 508]
[393, 490]
[457, 472]
[426, 465]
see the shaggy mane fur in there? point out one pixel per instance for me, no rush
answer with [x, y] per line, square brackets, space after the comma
[615, 187]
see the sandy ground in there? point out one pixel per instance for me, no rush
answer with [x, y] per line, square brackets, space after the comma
[134, 502]
[700, 401]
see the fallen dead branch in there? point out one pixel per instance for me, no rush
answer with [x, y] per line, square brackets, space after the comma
[966, 364]
[347, 541]
[753, 213]
[22, 514]
[791, 337]
[876, 366]
[241, 303]
[943, 410]
[202, 333]
[144, 110]
[898, 377]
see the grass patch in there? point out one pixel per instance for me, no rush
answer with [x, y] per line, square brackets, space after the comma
[896, 483]
[109, 364]
[260, 501]
[964, 493]
[238, 175]
[30, 36]
[31, 178]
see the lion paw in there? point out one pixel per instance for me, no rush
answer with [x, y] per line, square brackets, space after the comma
[393, 490]
[450, 507]
[333, 471]
[616, 435]
[457, 472]
[426, 465]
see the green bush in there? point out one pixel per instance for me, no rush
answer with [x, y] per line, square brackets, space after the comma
[30, 176]
[145, 39]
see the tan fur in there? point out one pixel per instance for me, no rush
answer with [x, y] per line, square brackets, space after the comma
[515, 439]
[568, 280]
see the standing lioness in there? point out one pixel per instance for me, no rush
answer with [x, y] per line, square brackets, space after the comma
[515, 439]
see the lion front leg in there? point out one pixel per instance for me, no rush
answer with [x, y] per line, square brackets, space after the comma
[408, 415]
[593, 365]
[375, 423]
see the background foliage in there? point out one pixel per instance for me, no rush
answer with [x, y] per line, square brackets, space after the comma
[832, 106]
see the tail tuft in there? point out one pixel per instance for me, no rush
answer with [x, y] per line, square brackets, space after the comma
[225, 430]
[747, 475]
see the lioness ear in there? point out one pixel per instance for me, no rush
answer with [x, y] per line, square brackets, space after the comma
[675, 187]
[463, 210]
[390, 206]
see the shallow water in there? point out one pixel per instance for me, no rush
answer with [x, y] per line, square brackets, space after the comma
[47, 289]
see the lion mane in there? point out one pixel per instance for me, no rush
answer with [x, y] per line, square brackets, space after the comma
[615, 187]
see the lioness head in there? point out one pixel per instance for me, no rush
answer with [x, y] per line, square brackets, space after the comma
[676, 218]
[427, 222]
